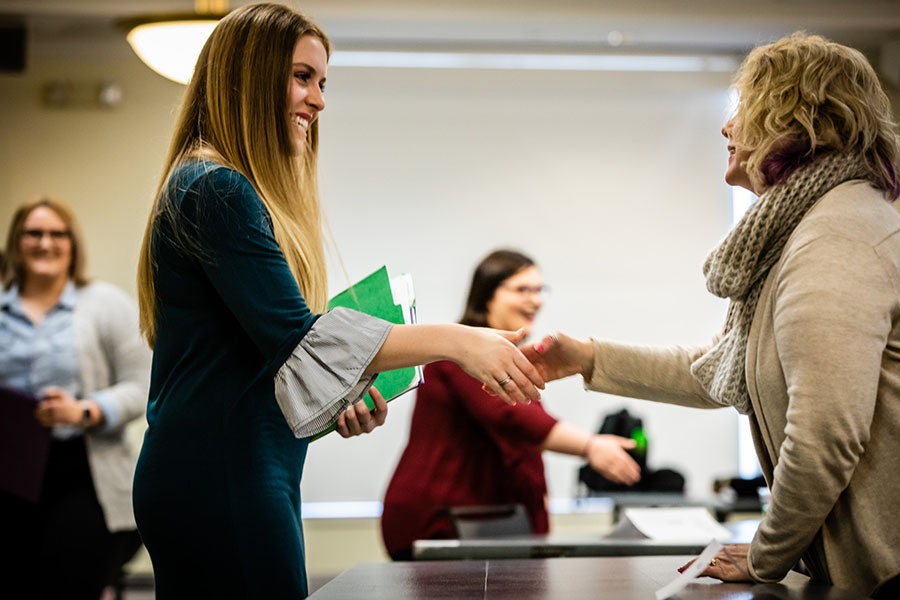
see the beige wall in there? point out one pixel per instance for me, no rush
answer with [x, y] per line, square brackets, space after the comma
[426, 171]
[612, 180]
[104, 163]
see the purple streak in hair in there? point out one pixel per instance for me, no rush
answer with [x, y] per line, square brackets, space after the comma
[780, 164]
[893, 181]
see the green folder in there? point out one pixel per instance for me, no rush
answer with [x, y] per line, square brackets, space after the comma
[391, 299]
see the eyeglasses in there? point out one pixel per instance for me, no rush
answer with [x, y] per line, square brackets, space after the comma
[36, 235]
[529, 290]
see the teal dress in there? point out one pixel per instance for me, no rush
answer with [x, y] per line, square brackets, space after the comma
[217, 486]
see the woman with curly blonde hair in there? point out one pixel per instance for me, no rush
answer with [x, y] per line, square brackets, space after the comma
[810, 349]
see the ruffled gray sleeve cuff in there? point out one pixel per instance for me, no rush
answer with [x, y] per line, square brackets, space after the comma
[324, 373]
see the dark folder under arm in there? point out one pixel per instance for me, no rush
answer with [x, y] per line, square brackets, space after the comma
[24, 445]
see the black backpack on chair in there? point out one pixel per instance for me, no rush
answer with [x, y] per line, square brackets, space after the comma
[624, 424]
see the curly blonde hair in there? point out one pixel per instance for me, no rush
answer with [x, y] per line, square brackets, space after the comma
[804, 96]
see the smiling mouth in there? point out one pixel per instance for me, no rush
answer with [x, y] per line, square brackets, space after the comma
[301, 123]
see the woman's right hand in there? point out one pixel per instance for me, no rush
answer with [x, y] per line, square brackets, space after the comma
[490, 355]
[607, 455]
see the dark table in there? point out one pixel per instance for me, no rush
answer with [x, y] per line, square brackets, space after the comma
[557, 546]
[636, 577]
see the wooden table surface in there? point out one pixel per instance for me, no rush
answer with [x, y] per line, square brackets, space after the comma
[632, 577]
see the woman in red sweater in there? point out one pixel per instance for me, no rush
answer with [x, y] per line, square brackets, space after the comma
[467, 448]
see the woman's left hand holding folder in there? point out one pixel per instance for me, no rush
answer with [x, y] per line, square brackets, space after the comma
[358, 419]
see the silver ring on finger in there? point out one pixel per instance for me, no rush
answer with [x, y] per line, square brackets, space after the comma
[505, 380]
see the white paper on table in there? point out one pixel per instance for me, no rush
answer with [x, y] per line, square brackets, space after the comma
[681, 524]
[690, 573]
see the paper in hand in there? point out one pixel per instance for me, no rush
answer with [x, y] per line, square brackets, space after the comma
[691, 572]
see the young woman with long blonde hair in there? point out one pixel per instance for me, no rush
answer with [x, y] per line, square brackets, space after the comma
[231, 285]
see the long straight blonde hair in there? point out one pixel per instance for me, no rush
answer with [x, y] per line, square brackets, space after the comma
[235, 112]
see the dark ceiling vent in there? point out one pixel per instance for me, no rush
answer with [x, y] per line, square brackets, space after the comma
[12, 48]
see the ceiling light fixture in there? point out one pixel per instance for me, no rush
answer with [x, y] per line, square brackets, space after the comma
[170, 43]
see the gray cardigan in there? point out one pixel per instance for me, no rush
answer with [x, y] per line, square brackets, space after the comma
[113, 361]
[823, 372]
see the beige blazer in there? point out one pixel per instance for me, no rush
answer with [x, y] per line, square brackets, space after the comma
[823, 372]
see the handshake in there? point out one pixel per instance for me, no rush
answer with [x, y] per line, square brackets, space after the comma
[489, 355]
[528, 368]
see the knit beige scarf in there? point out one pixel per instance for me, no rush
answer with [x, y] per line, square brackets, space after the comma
[738, 266]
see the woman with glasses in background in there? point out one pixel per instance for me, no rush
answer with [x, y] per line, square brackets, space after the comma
[467, 448]
[75, 346]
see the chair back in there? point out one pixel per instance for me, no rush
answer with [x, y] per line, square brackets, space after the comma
[500, 520]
